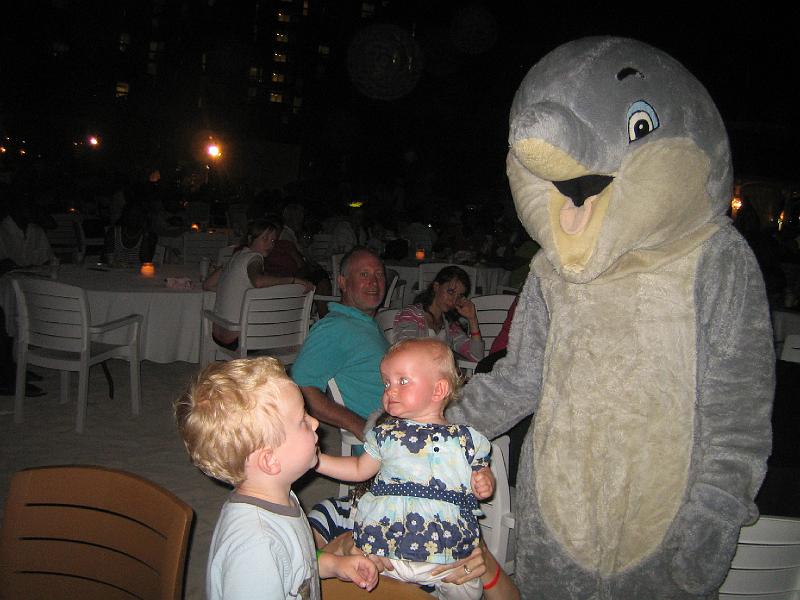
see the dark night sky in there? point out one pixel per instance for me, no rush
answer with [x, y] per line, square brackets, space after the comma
[746, 57]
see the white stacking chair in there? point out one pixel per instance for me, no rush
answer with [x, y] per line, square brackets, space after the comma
[67, 237]
[498, 519]
[273, 320]
[197, 245]
[336, 261]
[54, 332]
[791, 349]
[428, 272]
[394, 290]
[767, 562]
[492, 311]
[348, 439]
[385, 319]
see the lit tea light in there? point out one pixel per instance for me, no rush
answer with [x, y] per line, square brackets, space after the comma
[148, 270]
[420, 254]
[195, 227]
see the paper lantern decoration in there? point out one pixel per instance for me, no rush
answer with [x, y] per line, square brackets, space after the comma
[384, 62]
[148, 270]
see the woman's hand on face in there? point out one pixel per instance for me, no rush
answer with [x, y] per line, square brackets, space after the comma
[465, 569]
[466, 309]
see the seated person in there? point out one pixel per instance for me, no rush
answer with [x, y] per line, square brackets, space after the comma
[245, 270]
[130, 241]
[347, 345]
[243, 422]
[429, 474]
[436, 313]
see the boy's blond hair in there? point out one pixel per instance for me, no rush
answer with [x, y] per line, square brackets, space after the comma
[442, 358]
[222, 420]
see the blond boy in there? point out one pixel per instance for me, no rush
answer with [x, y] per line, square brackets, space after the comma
[244, 422]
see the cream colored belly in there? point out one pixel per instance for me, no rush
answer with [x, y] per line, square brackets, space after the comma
[613, 434]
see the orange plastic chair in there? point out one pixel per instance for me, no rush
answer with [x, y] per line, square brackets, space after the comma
[90, 532]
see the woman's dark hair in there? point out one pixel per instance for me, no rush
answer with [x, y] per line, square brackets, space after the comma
[258, 226]
[444, 276]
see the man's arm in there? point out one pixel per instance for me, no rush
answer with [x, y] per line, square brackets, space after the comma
[326, 410]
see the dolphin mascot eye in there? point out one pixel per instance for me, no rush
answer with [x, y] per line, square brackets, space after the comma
[642, 120]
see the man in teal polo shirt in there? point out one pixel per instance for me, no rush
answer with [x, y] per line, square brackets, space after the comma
[347, 345]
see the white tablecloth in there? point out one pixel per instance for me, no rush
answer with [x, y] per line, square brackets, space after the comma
[489, 279]
[171, 327]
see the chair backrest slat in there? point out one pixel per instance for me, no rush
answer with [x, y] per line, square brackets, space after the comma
[492, 311]
[385, 319]
[767, 560]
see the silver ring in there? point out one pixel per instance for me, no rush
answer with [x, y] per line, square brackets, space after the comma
[467, 570]
[365, 554]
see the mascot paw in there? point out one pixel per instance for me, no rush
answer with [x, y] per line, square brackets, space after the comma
[709, 530]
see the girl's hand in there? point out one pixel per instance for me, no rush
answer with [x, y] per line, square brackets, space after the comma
[465, 569]
[466, 309]
[483, 483]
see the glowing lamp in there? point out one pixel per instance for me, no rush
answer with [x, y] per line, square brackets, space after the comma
[214, 151]
[93, 141]
[148, 270]
[420, 254]
[195, 227]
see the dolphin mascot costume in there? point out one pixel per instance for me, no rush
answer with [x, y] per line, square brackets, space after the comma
[642, 339]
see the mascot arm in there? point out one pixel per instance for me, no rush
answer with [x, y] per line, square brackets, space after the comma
[735, 379]
[495, 402]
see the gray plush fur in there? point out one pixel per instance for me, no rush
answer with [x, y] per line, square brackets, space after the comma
[646, 354]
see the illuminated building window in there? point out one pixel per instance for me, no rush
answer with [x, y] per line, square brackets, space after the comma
[123, 89]
[284, 18]
[124, 41]
[367, 10]
[279, 57]
[256, 74]
[324, 50]
[281, 37]
[278, 77]
[275, 97]
[305, 8]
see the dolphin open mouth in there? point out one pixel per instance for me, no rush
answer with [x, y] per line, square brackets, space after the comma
[577, 210]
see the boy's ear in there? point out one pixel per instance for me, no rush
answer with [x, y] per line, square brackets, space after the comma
[440, 390]
[267, 462]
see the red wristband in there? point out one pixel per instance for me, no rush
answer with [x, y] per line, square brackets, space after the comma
[476, 333]
[494, 580]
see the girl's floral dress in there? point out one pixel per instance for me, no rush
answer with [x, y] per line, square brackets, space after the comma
[421, 506]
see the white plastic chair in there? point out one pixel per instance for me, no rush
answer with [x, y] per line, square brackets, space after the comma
[67, 237]
[394, 291]
[197, 245]
[54, 333]
[385, 319]
[791, 349]
[766, 563]
[428, 272]
[492, 311]
[348, 439]
[336, 261]
[499, 515]
[273, 319]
